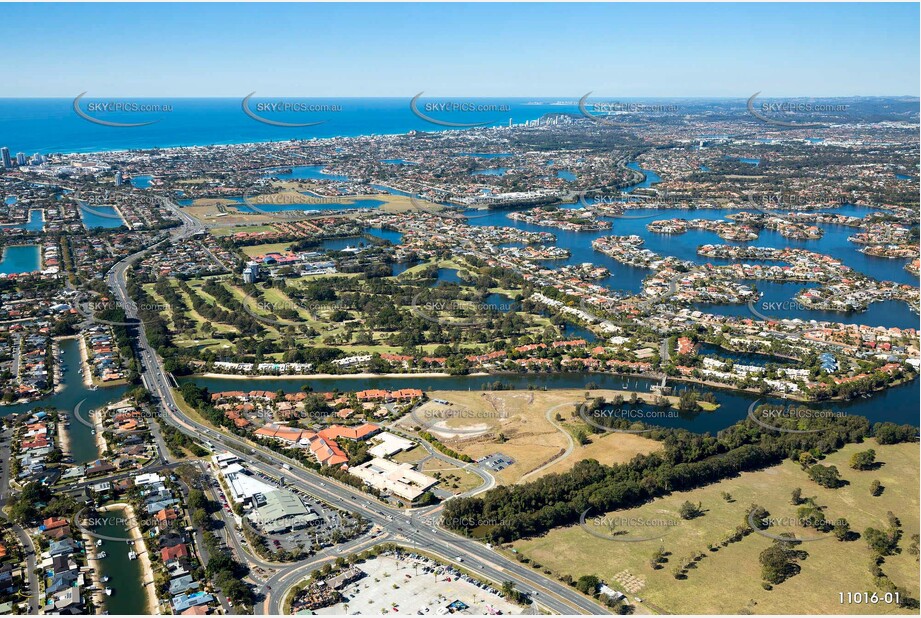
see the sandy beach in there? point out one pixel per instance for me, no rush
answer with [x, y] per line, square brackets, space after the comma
[85, 362]
[101, 444]
[63, 438]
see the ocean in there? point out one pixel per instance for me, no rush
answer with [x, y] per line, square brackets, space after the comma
[52, 126]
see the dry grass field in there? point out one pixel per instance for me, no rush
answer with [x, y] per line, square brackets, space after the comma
[729, 580]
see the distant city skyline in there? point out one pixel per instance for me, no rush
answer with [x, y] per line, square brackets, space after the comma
[460, 50]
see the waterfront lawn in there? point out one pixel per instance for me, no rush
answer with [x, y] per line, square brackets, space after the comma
[277, 247]
[515, 424]
[729, 580]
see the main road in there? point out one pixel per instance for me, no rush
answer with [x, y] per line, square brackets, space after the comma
[397, 525]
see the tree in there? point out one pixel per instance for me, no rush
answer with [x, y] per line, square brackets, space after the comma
[863, 460]
[842, 530]
[690, 510]
[876, 488]
[778, 563]
[796, 497]
[826, 476]
[880, 542]
[587, 584]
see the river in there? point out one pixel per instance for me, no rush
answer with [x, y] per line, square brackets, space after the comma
[899, 404]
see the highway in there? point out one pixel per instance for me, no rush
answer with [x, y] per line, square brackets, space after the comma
[397, 525]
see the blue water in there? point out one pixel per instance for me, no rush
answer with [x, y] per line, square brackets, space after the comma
[36, 222]
[566, 175]
[684, 246]
[499, 171]
[141, 182]
[899, 404]
[51, 125]
[398, 162]
[704, 168]
[92, 220]
[902, 177]
[18, 259]
[651, 178]
[448, 275]
[11, 200]
[309, 172]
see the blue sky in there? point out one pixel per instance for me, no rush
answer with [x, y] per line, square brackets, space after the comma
[565, 50]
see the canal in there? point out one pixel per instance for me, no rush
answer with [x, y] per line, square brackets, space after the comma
[125, 576]
[74, 391]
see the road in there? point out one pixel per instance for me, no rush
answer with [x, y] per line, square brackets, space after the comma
[547, 593]
[24, 539]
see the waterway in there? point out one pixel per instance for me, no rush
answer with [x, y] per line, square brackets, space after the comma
[82, 440]
[108, 217]
[684, 246]
[18, 259]
[126, 576]
[36, 222]
[899, 404]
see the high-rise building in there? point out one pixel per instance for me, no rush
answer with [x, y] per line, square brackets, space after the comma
[119, 179]
[21, 159]
[5, 154]
[37, 159]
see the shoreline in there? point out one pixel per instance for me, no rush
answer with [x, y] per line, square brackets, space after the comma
[325, 376]
[101, 446]
[148, 581]
[500, 375]
[63, 438]
[85, 362]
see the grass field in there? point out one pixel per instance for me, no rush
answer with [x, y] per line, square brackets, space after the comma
[729, 580]
[254, 250]
[528, 436]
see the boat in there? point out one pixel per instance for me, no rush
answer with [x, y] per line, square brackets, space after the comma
[109, 592]
[105, 578]
[94, 432]
[129, 542]
[102, 555]
[132, 555]
[98, 542]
